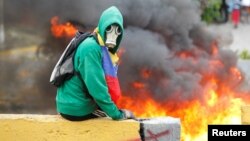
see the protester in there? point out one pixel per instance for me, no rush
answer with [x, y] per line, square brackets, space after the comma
[245, 10]
[95, 91]
[224, 11]
[236, 5]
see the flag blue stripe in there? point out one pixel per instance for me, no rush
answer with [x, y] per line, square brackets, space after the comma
[107, 63]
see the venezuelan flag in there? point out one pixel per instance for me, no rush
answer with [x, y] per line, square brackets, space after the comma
[110, 71]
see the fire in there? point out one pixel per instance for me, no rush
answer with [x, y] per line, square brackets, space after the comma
[219, 104]
[214, 47]
[62, 30]
[195, 115]
[236, 72]
[138, 85]
[212, 98]
[145, 73]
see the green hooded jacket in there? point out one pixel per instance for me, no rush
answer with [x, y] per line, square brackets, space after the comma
[73, 96]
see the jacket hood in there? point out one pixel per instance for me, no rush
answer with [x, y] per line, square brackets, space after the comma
[111, 16]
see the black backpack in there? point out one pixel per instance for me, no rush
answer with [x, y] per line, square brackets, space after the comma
[64, 68]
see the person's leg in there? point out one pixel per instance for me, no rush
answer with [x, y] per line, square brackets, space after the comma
[78, 118]
[248, 13]
[243, 14]
[235, 17]
[97, 113]
[237, 14]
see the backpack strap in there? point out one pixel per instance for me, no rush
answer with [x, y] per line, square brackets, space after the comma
[80, 37]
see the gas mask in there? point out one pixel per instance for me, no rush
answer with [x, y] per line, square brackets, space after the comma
[112, 32]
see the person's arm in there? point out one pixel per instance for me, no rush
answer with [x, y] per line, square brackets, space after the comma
[92, 73]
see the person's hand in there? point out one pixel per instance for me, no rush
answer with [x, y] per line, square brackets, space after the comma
[127, 114]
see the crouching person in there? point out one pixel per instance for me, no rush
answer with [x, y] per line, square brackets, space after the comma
[95, 91]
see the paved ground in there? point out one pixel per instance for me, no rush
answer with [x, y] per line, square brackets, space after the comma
[236, 39]
[241, 37]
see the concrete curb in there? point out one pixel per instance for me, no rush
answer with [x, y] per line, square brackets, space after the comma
[28, 127]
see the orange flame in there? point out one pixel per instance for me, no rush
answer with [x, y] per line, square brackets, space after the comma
[236, 72]
[138, 85]
[62, 30]
[214, 47]
[145, 73]
[195, 115]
